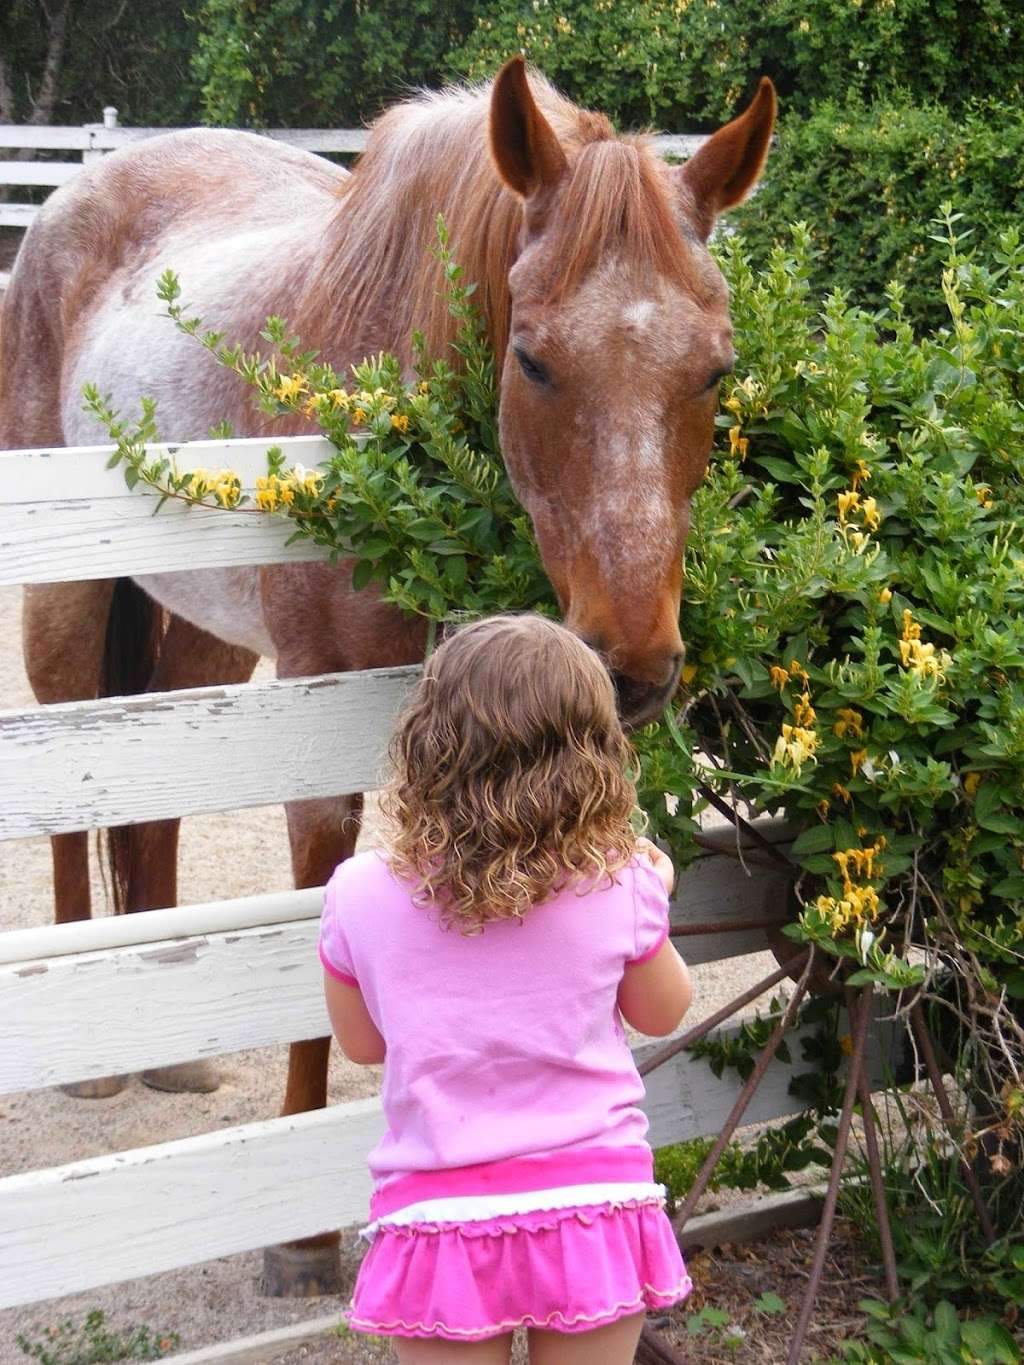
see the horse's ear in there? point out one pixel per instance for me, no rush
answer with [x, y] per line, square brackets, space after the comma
[728, 166]
[526, 151]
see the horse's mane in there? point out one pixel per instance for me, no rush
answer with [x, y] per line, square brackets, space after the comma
[429, 155]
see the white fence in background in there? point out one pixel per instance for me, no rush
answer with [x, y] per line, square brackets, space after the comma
[110, 996]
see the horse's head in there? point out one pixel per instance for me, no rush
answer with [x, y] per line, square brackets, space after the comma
[619, 335]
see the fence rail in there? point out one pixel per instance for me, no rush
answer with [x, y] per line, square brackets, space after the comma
[172, 985]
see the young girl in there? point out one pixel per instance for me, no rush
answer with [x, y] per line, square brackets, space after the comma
[485, 956]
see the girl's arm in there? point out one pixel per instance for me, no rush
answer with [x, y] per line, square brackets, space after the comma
[654, 995]
[358, 1035]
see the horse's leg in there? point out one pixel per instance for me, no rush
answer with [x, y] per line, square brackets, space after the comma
[63, 633]
[189, 657]
[321, 833]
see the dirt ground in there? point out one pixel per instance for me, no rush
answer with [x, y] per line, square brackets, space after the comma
[219, 1300]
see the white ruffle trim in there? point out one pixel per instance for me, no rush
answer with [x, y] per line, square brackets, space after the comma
[474, 1208]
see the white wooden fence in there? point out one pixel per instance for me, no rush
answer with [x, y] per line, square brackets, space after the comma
[114, 995]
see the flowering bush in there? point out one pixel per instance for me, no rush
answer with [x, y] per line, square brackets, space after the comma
[853, 601]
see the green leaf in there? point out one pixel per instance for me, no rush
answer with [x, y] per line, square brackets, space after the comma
[816, 839]
[362, 574]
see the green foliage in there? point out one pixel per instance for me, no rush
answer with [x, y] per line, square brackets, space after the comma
[853, 604]
[91, 1342]
[866, 177]
[318, 63]
[685, 64]
[902, 1336]
[133, 56]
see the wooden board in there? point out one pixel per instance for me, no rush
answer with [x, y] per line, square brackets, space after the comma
[65, 517]
[17, 215]
[124, 760]
[112, 1218]
[210, 991]
[49, 173]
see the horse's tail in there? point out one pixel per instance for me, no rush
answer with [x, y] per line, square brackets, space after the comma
[135, 629]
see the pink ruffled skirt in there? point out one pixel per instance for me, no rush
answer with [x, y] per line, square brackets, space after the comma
[565, 1270]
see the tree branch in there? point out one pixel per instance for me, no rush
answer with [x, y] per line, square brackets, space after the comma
[43, 104]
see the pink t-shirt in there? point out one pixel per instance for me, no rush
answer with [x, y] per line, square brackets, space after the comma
[504, 1044]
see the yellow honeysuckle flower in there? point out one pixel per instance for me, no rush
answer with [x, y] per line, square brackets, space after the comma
[872, 516]
[359, 417]
[779, 676]
[290, 386]
[797, 670]
[400, 422]
[848, 720]
[984, 495]
[803, 711]
[885, 596]
[848, 501]
[734, 404]
[859, 541]
[857, 760]
[971, 784]
[861, 474]
[423, 387]
[911, 629]
[200, 482]
[339, 399]
[841, 792]
[227, 488]
[737, 443]
[795, 746]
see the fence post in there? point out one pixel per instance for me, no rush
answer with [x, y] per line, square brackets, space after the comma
[94, 153]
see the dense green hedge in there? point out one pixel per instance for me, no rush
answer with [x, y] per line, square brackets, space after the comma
[686, 64]
[868, 179]
[319, 63]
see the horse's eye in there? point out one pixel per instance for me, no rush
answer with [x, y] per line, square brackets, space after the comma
[533, 369]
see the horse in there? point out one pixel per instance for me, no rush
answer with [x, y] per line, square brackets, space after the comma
[610, 325]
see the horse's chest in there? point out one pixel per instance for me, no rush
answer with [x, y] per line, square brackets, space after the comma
[224, 602]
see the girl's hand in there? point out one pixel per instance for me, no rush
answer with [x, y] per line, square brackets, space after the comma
[661, 862]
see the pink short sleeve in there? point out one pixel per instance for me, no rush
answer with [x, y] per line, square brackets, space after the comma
[650, 903]
[333, 945]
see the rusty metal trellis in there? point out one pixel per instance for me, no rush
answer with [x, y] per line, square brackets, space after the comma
[652, 1349]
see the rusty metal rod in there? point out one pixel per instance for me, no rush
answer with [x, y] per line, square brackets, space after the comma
[828, 1213]
[744, 1097]
[875, 1175]
[693, 1035]
[736, 926]
[924, 1041]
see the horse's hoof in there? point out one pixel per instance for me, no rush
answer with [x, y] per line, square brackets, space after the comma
[99, 1088]
[302, 1270]
[192, 1078]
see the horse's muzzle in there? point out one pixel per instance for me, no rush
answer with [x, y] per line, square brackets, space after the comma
[641, 702]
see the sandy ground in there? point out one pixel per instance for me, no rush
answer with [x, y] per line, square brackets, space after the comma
[219, 1300]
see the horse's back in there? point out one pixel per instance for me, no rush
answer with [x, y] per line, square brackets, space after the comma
[159, 199]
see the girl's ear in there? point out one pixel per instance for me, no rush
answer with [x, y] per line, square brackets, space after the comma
[729, 165]
[526, 151]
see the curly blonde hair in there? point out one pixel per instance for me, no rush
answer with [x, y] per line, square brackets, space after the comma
[512, 773]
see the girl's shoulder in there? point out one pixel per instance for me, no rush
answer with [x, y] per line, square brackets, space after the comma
[369, 866]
